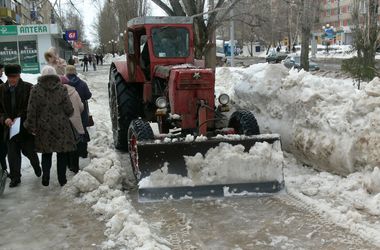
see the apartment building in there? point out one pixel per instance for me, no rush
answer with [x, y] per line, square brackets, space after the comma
[337, 13]
[21, 12]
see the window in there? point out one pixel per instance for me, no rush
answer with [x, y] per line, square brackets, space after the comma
[131, 47]
[170, 42]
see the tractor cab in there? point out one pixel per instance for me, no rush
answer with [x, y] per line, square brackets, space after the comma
[156, 41]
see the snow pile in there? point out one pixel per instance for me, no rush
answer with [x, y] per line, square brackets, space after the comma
[325, 122]
[99, 185]
[224, 164]
[230, 164]
[108, 58]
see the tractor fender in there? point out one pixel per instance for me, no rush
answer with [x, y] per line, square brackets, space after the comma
[136, 75]
[122, 68]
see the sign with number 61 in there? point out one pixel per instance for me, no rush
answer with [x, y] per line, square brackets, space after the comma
[71, 35]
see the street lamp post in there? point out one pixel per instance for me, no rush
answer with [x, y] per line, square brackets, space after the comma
[112, 42]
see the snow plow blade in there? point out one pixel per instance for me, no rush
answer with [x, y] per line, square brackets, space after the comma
[215, 190]
[152, 156]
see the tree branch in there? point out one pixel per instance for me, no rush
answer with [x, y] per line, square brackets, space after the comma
[164, 7]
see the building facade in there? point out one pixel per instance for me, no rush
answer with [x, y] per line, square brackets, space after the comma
[337, 14]
[27, 30]
[16, 12]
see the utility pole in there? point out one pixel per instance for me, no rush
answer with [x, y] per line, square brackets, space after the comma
[338, 14]
[232, 37]
[211, 52]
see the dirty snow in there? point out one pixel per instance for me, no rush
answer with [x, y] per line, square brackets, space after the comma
[325, 122]
[99, 184]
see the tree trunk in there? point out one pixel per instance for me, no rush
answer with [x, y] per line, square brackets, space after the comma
[305, 27]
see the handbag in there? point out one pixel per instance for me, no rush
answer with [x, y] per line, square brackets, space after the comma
[90, 121]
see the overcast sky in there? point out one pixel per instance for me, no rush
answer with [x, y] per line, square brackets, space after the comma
[88, 11]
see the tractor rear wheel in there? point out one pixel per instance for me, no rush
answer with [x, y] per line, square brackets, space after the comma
[244, 123]
[138, 130]
[125, 106]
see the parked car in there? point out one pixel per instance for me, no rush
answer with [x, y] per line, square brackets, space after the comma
[294, 61]
[275, 57]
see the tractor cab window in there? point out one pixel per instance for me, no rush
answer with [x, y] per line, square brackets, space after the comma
[170, 42]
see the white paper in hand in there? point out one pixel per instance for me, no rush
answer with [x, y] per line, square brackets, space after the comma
[15, 129]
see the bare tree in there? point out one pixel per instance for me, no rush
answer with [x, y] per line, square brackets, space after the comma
[204, 28]
[366, 30]
[112, 20]
[74, 21]
[309, 13]
[365, 37]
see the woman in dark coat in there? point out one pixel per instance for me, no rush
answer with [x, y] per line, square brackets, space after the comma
[49, 110]
[85, 94]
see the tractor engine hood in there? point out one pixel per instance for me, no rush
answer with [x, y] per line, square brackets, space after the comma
[164, 71]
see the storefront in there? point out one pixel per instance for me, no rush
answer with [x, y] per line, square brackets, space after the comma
[26, 45]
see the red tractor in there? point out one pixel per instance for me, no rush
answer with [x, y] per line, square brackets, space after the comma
[161, 92]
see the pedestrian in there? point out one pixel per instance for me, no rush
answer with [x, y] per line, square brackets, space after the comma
[76, 122]
[101, 59]
[85, 94]
[97, 59]
[94, 65]
[90, 59]
[85, 63]
[71, 61]
[14, 97]
[52, 58]
[294, 48]
[49, 111]
[3, 144]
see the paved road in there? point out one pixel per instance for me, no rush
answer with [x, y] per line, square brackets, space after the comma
[270, 222]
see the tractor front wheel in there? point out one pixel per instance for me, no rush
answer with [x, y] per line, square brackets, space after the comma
[244, 123]
[138, 130]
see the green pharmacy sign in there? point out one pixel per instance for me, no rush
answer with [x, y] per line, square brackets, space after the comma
[29, 57]
[8, 52]
[8, 30]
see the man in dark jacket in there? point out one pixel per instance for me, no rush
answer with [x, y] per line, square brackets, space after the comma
[85, 63]
[14, 97]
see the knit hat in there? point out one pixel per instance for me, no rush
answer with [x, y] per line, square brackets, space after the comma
[48, 70]
[71, 70]
[12, 69]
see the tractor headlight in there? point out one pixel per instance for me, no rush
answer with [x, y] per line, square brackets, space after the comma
[224, 99]
[161, 102]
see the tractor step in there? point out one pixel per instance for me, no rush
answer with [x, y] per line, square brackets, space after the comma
[215, 190]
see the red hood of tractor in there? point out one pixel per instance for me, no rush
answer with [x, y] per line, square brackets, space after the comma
[164, 71]
[187, 87]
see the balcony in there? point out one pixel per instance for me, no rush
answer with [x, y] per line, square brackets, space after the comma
[7, 15]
